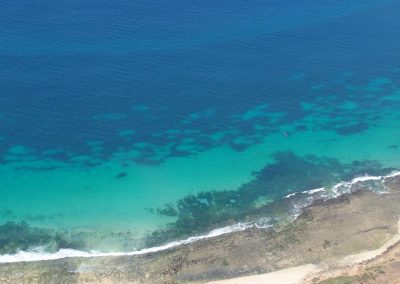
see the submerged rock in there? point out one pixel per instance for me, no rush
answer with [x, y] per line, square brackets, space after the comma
[121, 175]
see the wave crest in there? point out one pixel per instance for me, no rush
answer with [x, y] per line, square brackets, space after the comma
[295, 199]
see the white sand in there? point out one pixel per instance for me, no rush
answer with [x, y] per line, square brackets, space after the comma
[360, 257]
[285, 276]
[299, 273]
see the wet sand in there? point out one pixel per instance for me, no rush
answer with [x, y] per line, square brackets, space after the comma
[322, 235]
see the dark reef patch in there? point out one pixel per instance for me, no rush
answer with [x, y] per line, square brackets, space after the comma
[168, 210]
[21, 236]
[168, 131]
[288, 173]
[352, 129]
[121, 175]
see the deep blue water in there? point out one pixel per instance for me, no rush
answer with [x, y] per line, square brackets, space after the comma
[82, 81]
[73, 71]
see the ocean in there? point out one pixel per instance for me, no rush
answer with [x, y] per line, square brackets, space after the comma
[129, 124]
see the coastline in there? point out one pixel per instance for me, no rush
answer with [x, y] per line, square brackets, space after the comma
[318, 194]
[309, 272]
[326, 231]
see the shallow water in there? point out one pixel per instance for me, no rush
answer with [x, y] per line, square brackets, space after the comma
[132, 124]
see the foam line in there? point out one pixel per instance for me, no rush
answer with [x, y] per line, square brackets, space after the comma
[24, 256]
[66, 253]
[312, 191]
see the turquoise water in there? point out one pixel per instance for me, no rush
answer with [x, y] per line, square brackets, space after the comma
[150, 123]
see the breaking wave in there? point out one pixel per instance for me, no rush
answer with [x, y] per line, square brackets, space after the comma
[298, 201]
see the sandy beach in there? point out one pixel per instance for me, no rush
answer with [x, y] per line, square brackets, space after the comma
[285, 276]
[327, 236]
[300, 274]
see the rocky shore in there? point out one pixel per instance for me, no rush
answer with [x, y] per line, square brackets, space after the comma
[324, 233]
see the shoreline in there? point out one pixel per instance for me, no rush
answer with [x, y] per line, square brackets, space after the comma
[32, 256]
[300, 274]
[323, 233]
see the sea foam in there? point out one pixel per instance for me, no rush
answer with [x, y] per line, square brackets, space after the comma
[337, 190]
